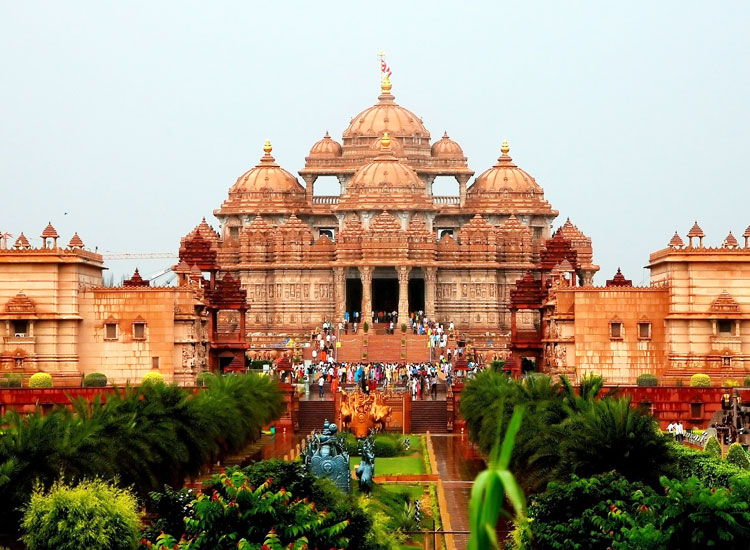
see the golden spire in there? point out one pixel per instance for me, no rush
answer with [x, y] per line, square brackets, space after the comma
[385, 141]
[267, 147]
[385, 85]
[385, 74]
[505, 147]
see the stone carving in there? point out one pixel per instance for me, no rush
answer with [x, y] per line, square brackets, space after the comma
[362, 413]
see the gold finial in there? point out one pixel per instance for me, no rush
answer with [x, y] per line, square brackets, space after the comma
[385, 85]
[385, 141]
[505, 147]
[267, 147]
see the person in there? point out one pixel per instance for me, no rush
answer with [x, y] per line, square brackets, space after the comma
[679, 432]
[321, 381]
[671, 427]
[433, 386]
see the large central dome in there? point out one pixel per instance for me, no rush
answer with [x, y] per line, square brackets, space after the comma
[386, 116]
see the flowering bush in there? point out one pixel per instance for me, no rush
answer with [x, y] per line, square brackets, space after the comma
[239, 516]
[40, 380]
[153, 377]
[700, 380]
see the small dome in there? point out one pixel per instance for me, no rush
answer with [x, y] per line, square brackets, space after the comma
[267, 176]
[447, 148]
[505, 175]
[326, 148]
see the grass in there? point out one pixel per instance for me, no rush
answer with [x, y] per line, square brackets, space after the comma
[399, 465]
[390, 500]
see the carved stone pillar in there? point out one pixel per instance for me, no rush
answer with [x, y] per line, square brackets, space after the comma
[403, 293]
[365, 273]
[462, 181]
[309, 187]
[339, 277]
[430, 287]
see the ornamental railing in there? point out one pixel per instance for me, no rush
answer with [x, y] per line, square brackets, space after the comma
[326, 199]
[446, 199]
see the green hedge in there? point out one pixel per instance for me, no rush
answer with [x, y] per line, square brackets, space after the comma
[713, 447]
[95, 380]
[40, 380]
[153, 377]
[386, 445]
[11, 381]
[204, 379]
[257, 364]
[92, 514]
[647, 380]
[713, 472]
[737, 456]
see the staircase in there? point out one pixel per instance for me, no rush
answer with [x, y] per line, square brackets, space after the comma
[384, 347]
[312, 414]
[427, 415]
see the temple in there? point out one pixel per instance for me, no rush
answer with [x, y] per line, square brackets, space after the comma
[385, 243]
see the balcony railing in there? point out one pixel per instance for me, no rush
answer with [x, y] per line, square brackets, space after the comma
[326, 199]
[446, 199]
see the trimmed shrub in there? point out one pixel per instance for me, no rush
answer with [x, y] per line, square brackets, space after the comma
[713, 472]
[730, 383]
[204, 379]
[746, 382]
[11, 381]
[713, 447]
[95, 380]
[700, 380]
[403, 327]
[647, 380]
[92, 514]
[737, 456]
[40, 380]
[385, 448]
[153, 377]
[365, 326]
[257, 364]
[497, 366]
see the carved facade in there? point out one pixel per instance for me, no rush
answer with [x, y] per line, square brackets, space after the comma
[385, 242]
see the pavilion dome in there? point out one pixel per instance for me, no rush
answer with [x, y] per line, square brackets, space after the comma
[386, 170]
[504, 176]
[386, 116]
[386, 179]
[447, 148]
[326, 148]
[267, 176]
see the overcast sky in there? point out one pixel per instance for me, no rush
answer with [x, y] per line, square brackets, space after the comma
[135, 118]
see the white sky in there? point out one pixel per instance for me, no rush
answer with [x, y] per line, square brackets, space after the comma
[136, 117]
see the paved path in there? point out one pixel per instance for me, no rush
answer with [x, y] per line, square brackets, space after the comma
[458, 464]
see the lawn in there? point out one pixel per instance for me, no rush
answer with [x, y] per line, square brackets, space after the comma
[403, 465]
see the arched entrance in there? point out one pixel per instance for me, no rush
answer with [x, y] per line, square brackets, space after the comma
[353, 292]
[416, 290]
[384, 292]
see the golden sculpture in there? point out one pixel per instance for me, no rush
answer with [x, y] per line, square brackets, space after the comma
[360, 412]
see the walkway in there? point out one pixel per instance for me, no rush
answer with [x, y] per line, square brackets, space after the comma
[458, 464]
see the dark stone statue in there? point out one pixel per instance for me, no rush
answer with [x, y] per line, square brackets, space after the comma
[325, 455]
[366, 469]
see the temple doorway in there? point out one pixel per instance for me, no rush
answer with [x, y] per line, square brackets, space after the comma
[416, 295]
[353, 296]
[384, 292]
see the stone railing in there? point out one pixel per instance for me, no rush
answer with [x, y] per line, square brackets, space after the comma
[446, 199]
[326, 199]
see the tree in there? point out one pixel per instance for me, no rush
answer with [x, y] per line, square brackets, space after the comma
[738, 456]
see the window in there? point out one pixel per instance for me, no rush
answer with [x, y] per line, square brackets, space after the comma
[139, 331]
[234, 233]
[696, 410]
[726, 361]
[615, 330]
[537, 233]
[110, 331]
[20, 329]
[726, 327]
[327, 231]
[155, 362]
[443, 232]
[644, 330]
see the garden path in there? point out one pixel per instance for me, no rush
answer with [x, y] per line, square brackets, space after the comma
[458, 464]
